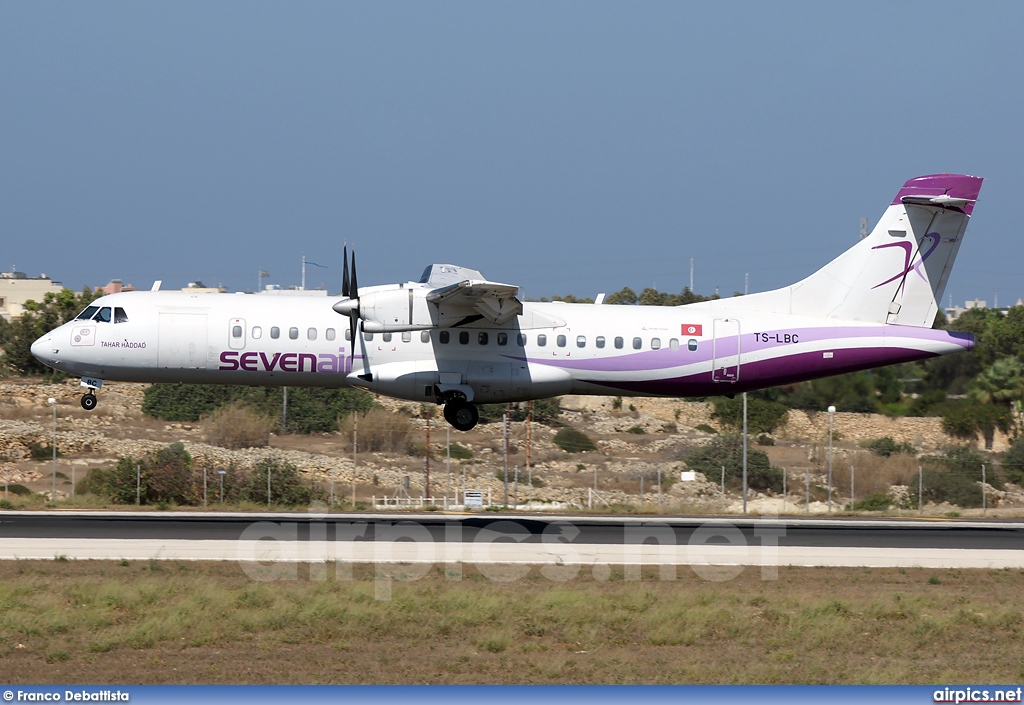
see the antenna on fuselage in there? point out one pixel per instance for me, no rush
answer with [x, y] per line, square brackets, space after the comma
[156, 285]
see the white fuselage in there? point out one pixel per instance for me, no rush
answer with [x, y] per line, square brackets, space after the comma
[718, 347]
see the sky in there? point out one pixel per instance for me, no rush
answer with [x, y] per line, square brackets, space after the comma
[566, 147]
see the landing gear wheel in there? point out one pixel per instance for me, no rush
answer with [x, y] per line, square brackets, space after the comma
[461, 414]
[89, 401]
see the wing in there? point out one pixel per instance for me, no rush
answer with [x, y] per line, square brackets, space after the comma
[475, 299]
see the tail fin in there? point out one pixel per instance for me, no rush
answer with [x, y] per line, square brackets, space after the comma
[898, 273]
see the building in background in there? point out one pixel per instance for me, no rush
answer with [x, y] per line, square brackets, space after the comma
[954, 312]
[17, 287]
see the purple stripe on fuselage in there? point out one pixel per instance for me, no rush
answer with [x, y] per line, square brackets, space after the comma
[769, 373]
[751, 343]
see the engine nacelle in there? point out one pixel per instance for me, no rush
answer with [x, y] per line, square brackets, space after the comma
[395, 310]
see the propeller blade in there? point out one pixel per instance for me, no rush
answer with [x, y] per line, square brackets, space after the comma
[344, 275]
[355, 287]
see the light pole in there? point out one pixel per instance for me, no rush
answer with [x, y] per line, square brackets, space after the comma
[744, 452]
[831, 415]
[222, 473]
[53, 404]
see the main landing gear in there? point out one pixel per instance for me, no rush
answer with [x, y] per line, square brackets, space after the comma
[461, 414]
[89, 401]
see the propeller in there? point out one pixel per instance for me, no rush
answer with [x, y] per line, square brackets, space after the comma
[350, 290]
[349, 306]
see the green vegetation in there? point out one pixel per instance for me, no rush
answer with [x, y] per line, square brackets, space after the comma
[636, 430]
[763, 415]
[167, 477]
[572, 441]
[886, 447]
[38, 451]
[459, 452]
[544, 411]
[310, 410]
[110, 621]
[875, 502]
[727, 450]
[17, 336]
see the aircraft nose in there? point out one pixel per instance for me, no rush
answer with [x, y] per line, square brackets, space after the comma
[42, 350]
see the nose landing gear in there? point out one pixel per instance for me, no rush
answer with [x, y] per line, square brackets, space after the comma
[89, 401]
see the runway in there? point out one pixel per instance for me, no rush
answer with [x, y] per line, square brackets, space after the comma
[486, 539]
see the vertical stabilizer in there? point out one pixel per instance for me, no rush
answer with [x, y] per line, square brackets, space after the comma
[896, 274]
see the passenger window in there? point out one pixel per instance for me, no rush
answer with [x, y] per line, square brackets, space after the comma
[464, 337]
[599, 341]
[348, 334]
[502, 338]
[367, 336]
[386, 337]
[655, 343]
[637, 343]
[120, 316]
[103, 315]
[236, 331]
[618, 343]
[445, 337]
[275, 332]
[673, 344]
[330, 334]
[88, 313]
[481, 338]
[293, 333]
[581, 341]
[521, 340]
[406, 337]
[424, 336]
[311, 334]
[561, 341]
[691, 345]
[257, 332]
[542, 340]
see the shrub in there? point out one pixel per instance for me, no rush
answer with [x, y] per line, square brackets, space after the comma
[42, 452]
[727, 450]
[886, 447]
[572, 441]
[763, 416]
[1013, 461]
[636, 430]
[19, 490]
[286, 485]
[380, 431]
[169, 476]
[310, 410]
[705, 428]
[965, 461]
[459, 452]
[763, 439]
[875, 502]
[238, 426]
[951, 487]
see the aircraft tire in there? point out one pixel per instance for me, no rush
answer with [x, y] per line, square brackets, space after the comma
[462, 415]
[89, 401]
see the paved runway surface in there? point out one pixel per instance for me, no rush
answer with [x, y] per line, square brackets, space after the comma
[492, 538]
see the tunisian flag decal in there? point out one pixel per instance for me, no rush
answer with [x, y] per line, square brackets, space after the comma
[692, 329]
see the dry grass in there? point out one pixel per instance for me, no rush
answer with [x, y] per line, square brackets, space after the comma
[380, 431]
[208, 623]
[238, 426]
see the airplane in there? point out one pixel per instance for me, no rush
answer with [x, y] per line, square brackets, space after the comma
[457, 339]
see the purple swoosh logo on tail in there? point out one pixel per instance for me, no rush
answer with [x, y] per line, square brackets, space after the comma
[908, 252]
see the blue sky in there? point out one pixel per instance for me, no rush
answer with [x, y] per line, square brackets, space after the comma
[568, 147]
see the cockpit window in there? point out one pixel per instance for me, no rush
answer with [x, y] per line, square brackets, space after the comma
[120, 316]
[103, 315]
[87, 313]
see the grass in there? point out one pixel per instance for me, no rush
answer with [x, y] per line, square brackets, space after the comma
[86, 621]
